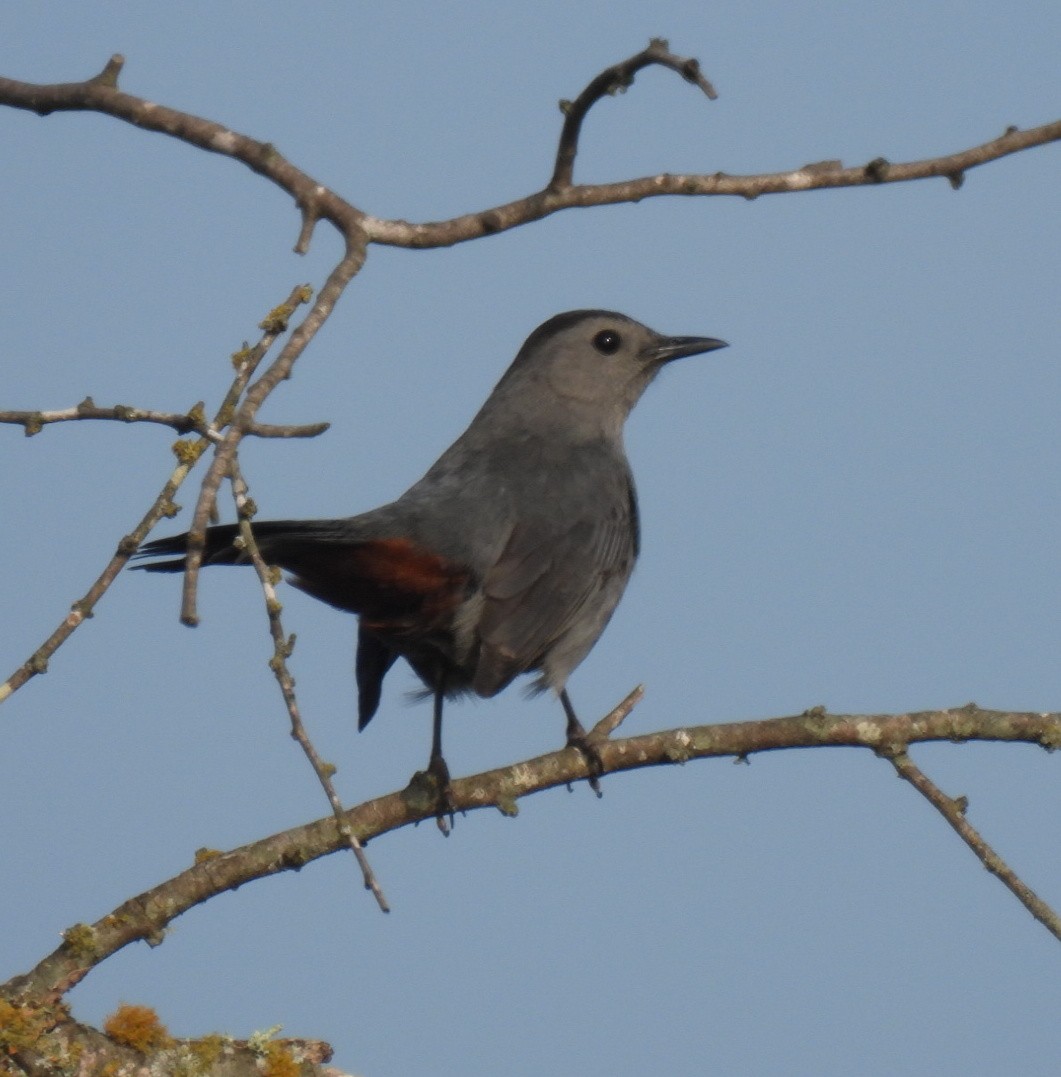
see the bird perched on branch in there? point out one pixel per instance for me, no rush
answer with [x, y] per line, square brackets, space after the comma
[510, 555]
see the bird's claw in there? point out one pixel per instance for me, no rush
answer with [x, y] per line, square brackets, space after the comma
[579, 740]
[444, 806]
[430, 791]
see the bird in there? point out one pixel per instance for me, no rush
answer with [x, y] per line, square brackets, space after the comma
[512, 552]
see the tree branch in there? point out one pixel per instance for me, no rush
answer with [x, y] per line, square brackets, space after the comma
[255, 396]
[101, 94]
[183, 422]
[953, 810]
[806, 178]
[147, 915]
[612, 80]
[163, 507]
[317, 202]
[187, 452]
[282, 648]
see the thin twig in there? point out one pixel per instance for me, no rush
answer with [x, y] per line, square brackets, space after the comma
[278, 370]
[187, 452]
[35, 421]
[287, 430]
[183, 422]
[246, 362]
[612, 80]
[617, 715]
[953, 810]
[282, 648]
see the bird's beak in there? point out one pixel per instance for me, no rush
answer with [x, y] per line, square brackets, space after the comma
[670, 348]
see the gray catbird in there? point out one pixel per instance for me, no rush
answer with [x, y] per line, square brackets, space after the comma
[510, 555]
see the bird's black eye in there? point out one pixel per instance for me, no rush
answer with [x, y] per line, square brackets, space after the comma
[607, 341]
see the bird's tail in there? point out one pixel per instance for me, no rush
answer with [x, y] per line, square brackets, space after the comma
[222, 547]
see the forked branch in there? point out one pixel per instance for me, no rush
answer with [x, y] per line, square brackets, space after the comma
[147, 915]
[317, 202]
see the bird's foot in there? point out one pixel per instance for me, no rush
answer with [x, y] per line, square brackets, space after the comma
[431, 789]
[578, 739]
[444, 806]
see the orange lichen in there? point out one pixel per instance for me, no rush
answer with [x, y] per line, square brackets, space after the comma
[137, 1027]
[278, 1061]
[21, 1027]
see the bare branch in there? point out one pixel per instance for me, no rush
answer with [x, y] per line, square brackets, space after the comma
[182, 422]
[101, 94]
[301, 430]
[187, 453]
[806, 178]
[613, 80]
[282, 648]
[147, 915]
[246, 362]
[35, 421]
[316, 202]
[245, 417]
[953, 810]
[617, 715]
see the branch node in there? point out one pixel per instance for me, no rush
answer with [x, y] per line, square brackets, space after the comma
[614, 80]
[615, 717]
[310, 216]
[492, 222]
[877, 169]
[109, 75]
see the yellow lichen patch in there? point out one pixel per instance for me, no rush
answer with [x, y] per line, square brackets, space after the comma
[187, 451]
[21, 1027]
[82, 940]
[278, 1061]
[240, 357]
[137, 1027]
[206, 1051]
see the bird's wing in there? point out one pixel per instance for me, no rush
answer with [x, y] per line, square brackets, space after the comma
[540, 585]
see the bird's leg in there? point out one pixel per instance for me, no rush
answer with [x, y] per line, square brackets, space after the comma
[577, 738]
[437, 768]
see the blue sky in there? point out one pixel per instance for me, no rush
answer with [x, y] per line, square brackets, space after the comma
[854, 505]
